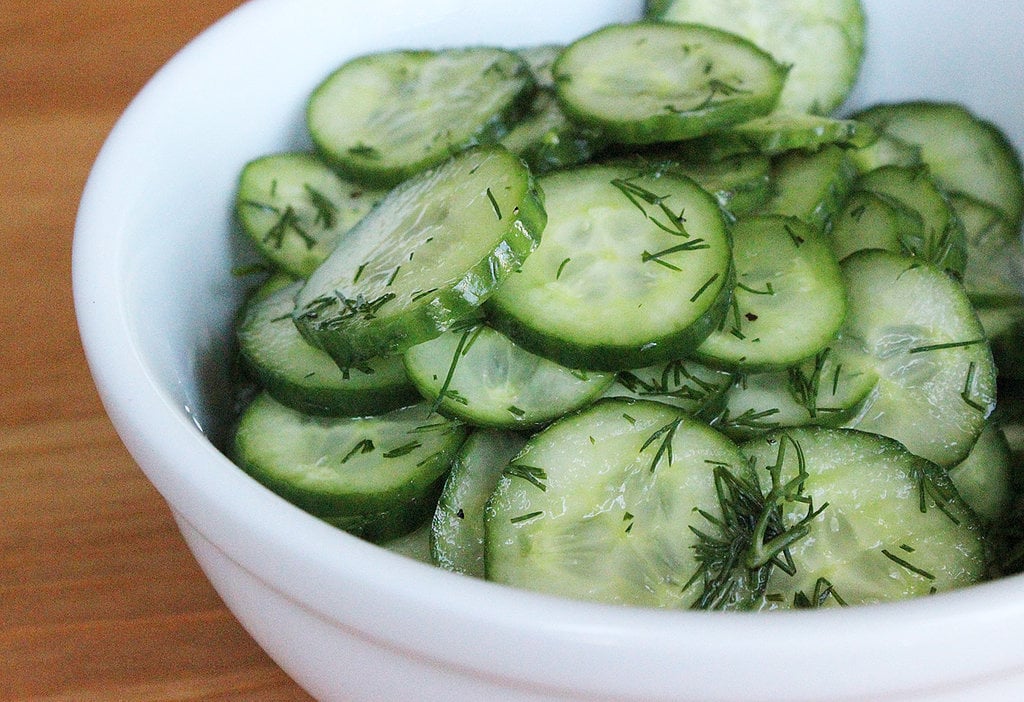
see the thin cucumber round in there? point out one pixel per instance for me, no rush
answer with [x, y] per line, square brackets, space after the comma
[914, 326]
[942, 239]
[545, 137]
[620, 280]
[788, 302]
[890, 525]
[994, 274]
[821, 391]
[823, 41]
[872, 221]
[377, 477]
[304, 377]
[780, 132]
[457, 528]
[597, 506]
[811, 187]
[294, 208]
[693, 387]
[984, 478]
[480, 376]
[426, 258]
[382, 118]
[650, 82]
[964, 153]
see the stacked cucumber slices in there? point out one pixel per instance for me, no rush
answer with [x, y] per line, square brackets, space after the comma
[640, 320]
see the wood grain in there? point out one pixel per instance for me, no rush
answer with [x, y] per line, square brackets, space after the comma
[99, 598]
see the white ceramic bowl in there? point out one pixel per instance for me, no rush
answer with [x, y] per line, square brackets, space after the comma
[153, 253]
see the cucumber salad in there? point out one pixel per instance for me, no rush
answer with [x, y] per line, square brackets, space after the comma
[642, 318]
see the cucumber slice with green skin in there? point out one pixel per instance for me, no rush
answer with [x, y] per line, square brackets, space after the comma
[788, 302]
[457, 529]
[597, 505]
[377, 477]
[943, 240]
[619, 281]
[871, 221]
[820, 391]
[382, 118]
[963, 152]
[983, 479]
[651, 82]
[894, 526]
[823, 41]
[914, 326]
[545, 137]
[294, 209]
[305, 378]
[994, 274]
[886, 150]
[740, 183]
[693, 387]
[811, 187]
[780, 132]
[425, 259]
[480, 376]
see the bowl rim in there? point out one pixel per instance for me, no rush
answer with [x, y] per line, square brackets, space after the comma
[193, 477]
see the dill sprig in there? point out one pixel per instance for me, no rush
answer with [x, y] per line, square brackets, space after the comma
[751, 537]
[638, 195]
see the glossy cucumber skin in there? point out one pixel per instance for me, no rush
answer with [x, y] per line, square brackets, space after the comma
[657, 68]
[469, 224]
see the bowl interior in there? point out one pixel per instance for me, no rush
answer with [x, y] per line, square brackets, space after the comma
[155, 249]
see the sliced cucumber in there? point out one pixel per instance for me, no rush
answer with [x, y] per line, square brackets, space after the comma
[693, 387]
[650, 82]
[597, 505]
[780, 132]
[963, 152]
[821, 391]
[994, 274]
[890, 525]
[872, 221]
[1004, 328]
[382, 118]
[295, 208]
[811, 187]
[943, 240]
[620, 280]
[886, 150]
[424, 259]
[788, 302]
[481, 377]
[545, 137]
[914, 326]
[984, 477]
[305, 378]
[823, 41]
[457, 529]
[377, 477]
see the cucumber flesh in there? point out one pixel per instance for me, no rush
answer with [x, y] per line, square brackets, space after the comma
[382, 118]
[457, 528]
[811, 187]
[915, 328]
[295, 209]
[649, 82]
[891, 525]
[822, 41]
[619, 281]
[377, 477]
[597, 506]
[481, 377]
[425, 259]
[304, 377]
[788, 302]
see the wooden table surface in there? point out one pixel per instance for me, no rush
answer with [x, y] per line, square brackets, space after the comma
[99, 597]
